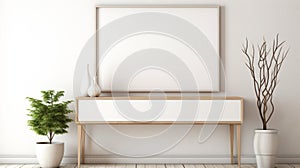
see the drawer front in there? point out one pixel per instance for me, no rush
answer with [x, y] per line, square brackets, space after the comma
[159, 110]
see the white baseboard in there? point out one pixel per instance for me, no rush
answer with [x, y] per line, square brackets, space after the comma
[157, 160]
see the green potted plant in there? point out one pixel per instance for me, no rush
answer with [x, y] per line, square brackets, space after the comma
[264, 72]
[49, 118]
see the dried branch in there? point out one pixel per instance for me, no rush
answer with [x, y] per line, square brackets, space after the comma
[269, 63]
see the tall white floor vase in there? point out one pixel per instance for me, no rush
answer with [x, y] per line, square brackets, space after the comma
[265, 147]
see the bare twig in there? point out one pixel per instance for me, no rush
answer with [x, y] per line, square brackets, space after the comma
[265, 80]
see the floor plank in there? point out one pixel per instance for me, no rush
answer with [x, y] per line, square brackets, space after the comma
[97, 166]
[214, 166]
[130, 166]
[67, 166]
[140, 166]
[249, 166]
[282, 166]
[30, 166]
[174, 166]
[117, 166]
[150, 166]
[230, 166]
[160, 166]
[13, 165]
[295, 165]
[242, 166]
[193, 166]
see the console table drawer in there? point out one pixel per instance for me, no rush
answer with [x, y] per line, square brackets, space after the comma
[159, 110]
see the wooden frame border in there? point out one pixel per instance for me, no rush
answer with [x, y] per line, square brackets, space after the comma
[159, 6]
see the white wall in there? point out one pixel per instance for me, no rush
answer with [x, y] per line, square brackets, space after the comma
[40, 42]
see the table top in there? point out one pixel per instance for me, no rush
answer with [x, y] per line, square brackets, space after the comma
[160, 98]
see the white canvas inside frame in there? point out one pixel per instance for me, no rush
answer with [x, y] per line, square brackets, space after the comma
[135, 56]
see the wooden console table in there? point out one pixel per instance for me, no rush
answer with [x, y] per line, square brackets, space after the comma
[102, 110]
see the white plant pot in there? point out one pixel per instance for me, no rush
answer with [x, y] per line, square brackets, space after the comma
[49, 155]
[265, 147]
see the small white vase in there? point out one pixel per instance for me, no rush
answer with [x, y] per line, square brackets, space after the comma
[49, 155]
[265, 147]
[94, 89]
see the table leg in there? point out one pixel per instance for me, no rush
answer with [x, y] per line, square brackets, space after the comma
[82, 143]
[238, 130]
[231, 128]
[79, 130]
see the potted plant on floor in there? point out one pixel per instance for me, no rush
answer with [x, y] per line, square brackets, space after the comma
[49, 118]
[264, 71]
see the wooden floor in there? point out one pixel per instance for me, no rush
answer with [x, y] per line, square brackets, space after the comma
[148, 166]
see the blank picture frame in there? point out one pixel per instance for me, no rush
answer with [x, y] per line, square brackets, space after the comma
[158, 48]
